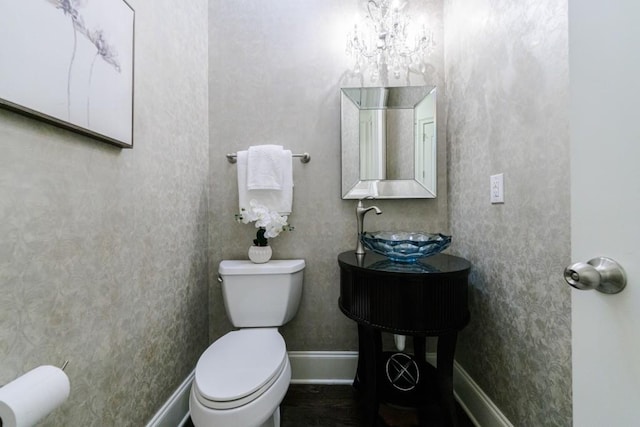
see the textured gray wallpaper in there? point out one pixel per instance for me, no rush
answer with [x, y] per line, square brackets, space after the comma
[507, 92]
[103, 251]
[276, 69]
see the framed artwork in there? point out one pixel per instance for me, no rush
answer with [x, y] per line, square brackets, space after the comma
[70, 63]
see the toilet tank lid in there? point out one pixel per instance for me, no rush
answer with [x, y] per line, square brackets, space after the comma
[274, 266]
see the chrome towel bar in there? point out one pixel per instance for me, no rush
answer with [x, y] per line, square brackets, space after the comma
[304, 157]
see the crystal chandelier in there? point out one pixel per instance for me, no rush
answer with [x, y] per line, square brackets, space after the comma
[389, 41]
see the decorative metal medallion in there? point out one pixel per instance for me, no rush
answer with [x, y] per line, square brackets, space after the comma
[402, 371]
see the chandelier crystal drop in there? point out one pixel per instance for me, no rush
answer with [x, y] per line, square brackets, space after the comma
[388, 41]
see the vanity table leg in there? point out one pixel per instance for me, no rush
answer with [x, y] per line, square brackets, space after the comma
[369, 358]
[420, 349]
[446, 351]
[359, 382]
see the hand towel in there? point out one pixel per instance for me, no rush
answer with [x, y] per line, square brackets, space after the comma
[277, 200]
[265, 167]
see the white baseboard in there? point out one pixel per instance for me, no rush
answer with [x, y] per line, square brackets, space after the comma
[175, 411]
[323, 367]
[475, 402]
[339, 367]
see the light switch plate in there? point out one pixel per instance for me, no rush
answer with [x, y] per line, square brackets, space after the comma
[497, 188]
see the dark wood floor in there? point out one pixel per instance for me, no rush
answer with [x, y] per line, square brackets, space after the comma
[338, 406]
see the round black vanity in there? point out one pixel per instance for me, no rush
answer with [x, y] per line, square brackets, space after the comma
[427, 298]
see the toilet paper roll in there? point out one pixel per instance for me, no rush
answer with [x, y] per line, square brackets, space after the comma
[29, 398]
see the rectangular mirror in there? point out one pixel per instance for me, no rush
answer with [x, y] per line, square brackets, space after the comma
[389, 142]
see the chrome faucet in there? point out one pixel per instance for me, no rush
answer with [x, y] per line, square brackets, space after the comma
[361, 211]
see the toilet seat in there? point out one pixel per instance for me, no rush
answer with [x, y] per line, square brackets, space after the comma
[239, 367]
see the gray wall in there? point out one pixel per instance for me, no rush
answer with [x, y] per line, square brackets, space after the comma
[507, 89]
[276, 69]
[103, 251]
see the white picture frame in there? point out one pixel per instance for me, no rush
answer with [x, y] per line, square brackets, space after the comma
[70, 63]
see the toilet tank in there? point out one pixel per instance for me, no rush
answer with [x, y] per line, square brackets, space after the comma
[261, 295]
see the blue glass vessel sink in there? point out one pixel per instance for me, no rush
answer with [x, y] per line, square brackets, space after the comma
[405, 246]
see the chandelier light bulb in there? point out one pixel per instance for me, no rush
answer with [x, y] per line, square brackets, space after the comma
[388, 41]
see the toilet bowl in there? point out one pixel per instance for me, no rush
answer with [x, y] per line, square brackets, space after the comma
[242, 377]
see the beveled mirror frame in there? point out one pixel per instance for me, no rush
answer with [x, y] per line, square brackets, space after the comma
[418, 102]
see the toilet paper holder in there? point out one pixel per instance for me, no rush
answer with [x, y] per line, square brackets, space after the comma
[33, 395]
[64, 365]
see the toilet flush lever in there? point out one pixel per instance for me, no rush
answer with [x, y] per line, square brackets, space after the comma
[219, 278]
[602, 274]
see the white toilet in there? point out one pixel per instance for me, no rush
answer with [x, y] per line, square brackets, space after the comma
[241, 378]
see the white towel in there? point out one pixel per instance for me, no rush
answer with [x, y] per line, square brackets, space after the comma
[265, 167]
[276, 200]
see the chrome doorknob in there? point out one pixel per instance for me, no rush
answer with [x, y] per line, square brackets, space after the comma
[602, 274]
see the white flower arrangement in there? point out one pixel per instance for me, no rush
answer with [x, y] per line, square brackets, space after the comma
[269, 223]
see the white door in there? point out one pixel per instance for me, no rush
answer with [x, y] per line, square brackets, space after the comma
[604, 63]
[425, 152]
